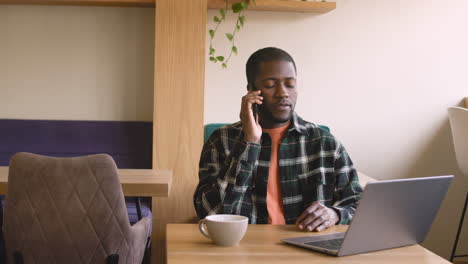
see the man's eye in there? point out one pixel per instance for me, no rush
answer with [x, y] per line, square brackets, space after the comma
[290, 84]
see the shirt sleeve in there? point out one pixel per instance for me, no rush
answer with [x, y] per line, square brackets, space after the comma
[347, 188]
[225, 177]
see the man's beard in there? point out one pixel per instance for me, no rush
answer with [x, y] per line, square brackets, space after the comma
[267, 114]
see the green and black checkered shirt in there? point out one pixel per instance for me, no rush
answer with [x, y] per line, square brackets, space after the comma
[313, 166]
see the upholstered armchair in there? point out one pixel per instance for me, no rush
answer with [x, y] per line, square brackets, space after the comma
[459, 123]
[69, 210]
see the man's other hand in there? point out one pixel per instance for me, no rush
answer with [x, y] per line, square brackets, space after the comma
[317, 217]
[250, 125]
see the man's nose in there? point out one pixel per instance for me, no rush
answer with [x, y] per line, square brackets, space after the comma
[281, 91]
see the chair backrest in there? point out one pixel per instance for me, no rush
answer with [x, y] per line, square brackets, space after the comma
[210, 128]
[459, 124]
[66, 210]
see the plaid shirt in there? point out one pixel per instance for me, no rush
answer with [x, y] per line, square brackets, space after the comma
[313, 166]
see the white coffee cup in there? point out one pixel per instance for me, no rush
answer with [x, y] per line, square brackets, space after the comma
[224, 229]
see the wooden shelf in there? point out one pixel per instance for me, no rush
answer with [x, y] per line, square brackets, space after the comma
[282, 6]
[262, 5]
[135, 3]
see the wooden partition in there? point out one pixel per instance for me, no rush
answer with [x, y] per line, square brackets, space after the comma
[178, 109]
[179, 95]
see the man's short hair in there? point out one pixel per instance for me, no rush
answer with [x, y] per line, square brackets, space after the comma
[265, 55]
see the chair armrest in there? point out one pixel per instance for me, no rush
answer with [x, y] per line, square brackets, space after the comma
[364, 179]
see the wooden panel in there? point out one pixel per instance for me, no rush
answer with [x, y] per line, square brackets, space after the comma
[282, 5]
[263, 5]
[178, 108]
[466, 102]
[261, 244]
[137, 3]
[156, 183]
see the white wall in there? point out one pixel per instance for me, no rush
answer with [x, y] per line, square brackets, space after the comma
[87, 63]
[380, 73]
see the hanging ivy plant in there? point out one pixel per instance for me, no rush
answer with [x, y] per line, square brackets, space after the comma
[238, 8]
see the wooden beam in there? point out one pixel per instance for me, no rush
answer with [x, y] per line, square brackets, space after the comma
[178, 110]
[261, 5]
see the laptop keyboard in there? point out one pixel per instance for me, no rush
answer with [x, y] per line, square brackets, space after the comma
[332, 244]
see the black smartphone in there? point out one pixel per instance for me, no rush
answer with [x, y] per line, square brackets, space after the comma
[254, 106]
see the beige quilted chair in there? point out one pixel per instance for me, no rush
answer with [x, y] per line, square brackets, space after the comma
[69, 210]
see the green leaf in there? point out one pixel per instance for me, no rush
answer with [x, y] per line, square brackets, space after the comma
[211, 33]
[234, 50]
[255, 2]
[229, 36]
[237, 7]
[244, 5]
[238, 27]
[224, 65]
[213, 59]
[223, 13]
[212, 51]
[220, 58]
[216, 19]
[242, 20]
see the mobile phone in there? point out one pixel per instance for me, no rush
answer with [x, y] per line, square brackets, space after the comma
[254, 106]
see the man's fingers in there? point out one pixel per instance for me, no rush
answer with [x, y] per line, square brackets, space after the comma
[313, 207]
[314, 219]
[310, 217]
[323, 226]
[247, 102]
[317, 217]
[317, 222]
[253, 100]
[251, 127]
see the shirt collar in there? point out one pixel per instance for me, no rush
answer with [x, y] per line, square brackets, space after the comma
[298, 124]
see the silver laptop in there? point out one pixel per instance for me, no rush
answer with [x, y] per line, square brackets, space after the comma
[392, 213]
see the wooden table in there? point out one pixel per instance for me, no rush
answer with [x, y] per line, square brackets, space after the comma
[262, 244]
[149, 183]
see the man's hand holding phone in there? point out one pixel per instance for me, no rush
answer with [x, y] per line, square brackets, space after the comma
[250, 124]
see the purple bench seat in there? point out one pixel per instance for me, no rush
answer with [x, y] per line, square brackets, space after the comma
[129, 143]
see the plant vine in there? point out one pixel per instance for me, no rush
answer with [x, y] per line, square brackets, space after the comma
[237, 8]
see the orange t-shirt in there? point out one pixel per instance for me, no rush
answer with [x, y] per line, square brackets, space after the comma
[274, 196]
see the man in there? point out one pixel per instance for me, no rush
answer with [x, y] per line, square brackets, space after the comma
[273, 166]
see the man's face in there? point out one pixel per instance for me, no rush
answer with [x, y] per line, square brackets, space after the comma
[277, 82]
